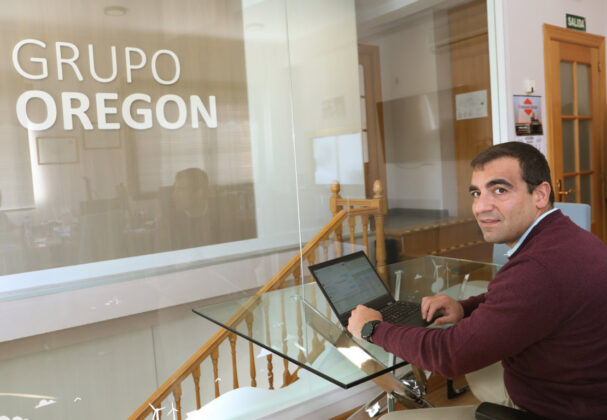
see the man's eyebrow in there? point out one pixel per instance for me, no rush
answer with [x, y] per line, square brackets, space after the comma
[499, 181]
[493, 182]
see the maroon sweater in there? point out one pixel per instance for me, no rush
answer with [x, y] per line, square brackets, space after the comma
[543, 317]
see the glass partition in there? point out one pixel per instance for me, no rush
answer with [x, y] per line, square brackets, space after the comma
[427, 113]
[143, 130]
[158, 156]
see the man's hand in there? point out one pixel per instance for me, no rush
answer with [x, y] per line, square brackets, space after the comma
[452, 310]
[359, 317]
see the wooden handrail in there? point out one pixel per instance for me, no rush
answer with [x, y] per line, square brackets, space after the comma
[342, 209]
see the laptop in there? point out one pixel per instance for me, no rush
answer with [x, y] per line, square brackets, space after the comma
[351, 280]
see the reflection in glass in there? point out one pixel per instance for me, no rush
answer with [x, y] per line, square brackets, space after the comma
[568, 146]
[586, 189]
[361, 80]
[585, 141]
[363, 113]
[571, 187]
[128, 194]
[101, 193]
[421, 145]
[566, 88]
[583, 90]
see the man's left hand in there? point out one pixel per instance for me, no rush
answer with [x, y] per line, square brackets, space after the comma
[359, 317]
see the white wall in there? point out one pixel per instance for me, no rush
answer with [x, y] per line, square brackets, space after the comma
[523, 41]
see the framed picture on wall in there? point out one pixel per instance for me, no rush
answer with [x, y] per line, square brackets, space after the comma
[101, 139]
[57, 150]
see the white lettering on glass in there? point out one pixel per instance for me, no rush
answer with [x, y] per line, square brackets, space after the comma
[51, 110]
[129, 66]
[42, 61]
[92, 65]
[103, 111]
[146, 113]
[161, 112]
[70, 61]
[137, 110]
[70, 111]
[197, 107]
[76, 104]
[155, 70]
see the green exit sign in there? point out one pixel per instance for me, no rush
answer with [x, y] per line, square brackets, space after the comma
[576, 22]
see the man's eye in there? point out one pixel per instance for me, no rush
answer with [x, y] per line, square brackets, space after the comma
[475, 194]
[500, 190]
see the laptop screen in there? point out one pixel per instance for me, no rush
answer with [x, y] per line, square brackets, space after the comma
[349, 281]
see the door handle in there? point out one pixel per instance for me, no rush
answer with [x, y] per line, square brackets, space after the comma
[562, 193]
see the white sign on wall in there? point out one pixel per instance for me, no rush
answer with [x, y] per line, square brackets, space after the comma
[471, 105]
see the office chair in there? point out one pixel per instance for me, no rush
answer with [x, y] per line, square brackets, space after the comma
[579, 213]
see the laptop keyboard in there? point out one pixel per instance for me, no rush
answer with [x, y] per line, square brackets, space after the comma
[399, 311]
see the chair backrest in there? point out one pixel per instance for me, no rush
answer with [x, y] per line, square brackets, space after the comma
[579, 213]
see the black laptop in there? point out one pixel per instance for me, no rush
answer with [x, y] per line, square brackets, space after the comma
[351, 280]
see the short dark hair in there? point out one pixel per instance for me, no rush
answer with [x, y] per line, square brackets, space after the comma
[534, 166]
[198, 178]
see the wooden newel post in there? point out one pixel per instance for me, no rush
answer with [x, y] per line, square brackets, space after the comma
[335, 208]
[380, 240]
[335, 188]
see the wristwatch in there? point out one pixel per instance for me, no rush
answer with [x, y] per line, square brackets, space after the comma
[368, 329]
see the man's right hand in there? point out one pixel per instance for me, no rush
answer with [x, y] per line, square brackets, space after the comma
[452, 310]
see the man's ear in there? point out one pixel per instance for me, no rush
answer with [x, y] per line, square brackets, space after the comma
[542, 195]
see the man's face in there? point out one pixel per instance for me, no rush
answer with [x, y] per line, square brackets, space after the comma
[502, 205]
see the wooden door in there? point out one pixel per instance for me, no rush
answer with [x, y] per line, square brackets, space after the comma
[469, 50]
[575, 97]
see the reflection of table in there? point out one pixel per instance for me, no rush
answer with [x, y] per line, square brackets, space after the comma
[296, 323]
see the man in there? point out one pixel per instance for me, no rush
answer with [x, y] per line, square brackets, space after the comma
[190, 191]
[189, 221]
[542, 315]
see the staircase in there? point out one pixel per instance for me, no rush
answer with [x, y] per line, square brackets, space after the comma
[343, 210]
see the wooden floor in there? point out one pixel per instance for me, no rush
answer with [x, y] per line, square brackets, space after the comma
[437, 395]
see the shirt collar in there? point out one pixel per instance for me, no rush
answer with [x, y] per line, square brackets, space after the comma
[524, 236]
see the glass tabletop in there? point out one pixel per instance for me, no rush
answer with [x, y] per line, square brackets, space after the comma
[297, 322]
[430, 275]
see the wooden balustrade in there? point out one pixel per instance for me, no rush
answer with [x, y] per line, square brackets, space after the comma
[343, 210]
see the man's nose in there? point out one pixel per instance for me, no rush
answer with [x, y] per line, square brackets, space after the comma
[482, 204]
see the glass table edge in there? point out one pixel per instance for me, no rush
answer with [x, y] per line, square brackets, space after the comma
[306, 367]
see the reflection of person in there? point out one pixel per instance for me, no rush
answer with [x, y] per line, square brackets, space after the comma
[190, 219]
[542, 315]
